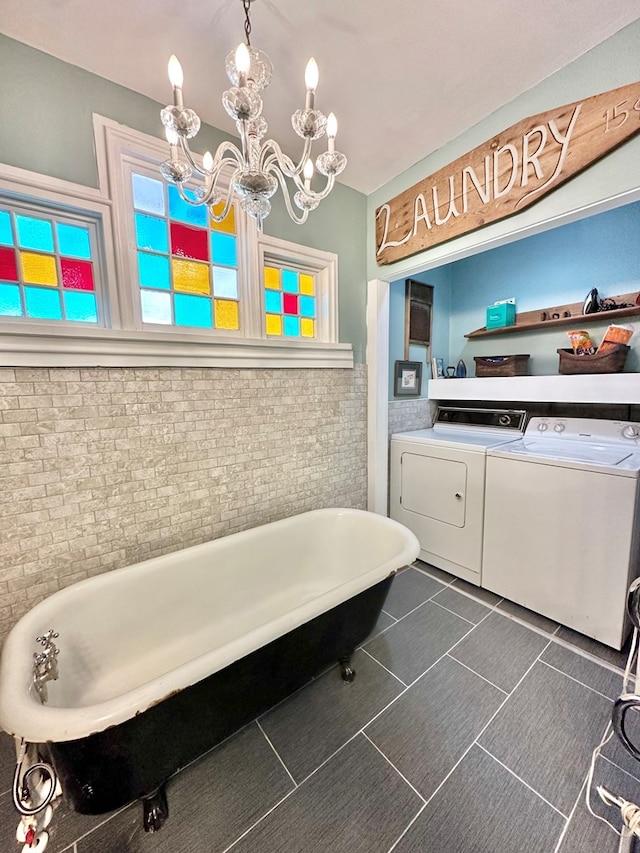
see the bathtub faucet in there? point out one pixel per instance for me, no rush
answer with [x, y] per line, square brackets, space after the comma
[45, 663]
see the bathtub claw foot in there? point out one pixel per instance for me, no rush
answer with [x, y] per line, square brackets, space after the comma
[155, 809]
[346, 672]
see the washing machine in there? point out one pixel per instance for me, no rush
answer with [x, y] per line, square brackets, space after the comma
[438, 481]
[561, 531]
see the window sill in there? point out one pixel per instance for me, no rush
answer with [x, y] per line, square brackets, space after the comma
[114, 348]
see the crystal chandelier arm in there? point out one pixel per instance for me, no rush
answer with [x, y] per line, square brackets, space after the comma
[227, 204]
[209, 195]
[300, 184]
[283, 161]
[219, 161]
[300, 220]
[210, 198]
[319, 196]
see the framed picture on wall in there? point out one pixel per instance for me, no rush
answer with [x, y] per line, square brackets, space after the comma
[437, 368]
[408, 378]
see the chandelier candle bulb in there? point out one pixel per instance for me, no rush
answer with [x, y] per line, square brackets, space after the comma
[207, 165]
[243, 63]
[311, 82]
[308, 174]
[332, 130]
[172, 139]
[176, 78]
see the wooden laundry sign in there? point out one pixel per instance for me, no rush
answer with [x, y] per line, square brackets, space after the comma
[507, 173]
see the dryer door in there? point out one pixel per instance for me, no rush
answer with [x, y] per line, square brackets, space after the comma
[438, 493]
[445, 503]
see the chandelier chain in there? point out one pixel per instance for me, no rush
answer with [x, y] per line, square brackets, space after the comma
[247, 21]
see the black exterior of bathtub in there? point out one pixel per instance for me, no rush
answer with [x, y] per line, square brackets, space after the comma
[131, 760]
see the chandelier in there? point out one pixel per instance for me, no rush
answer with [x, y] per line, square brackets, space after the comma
[255, 169]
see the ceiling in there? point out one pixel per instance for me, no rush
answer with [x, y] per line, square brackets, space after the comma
[403, 77]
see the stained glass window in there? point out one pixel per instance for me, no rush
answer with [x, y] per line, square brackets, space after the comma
[47, 268]
[187, 262]
[289, 303]
[134, 256]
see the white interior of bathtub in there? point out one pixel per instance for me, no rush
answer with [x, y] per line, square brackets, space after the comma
[132, 636]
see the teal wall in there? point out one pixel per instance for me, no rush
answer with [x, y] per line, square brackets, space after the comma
[550, 269]
[440, 280]
[557, 267]
[544, 272]
[46, 126]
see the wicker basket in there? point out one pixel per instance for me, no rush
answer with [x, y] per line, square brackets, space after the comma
[501, 365]
[607, 362]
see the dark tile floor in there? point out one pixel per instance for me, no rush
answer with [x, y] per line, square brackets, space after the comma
[469, 729]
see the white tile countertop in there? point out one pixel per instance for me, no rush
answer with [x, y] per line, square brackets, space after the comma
[581, 388]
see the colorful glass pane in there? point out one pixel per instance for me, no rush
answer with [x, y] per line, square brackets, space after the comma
[6, 234]
[223, 249]
[228, 224]
[184, 212]
[151, 233]
[226, 314]
[34, 233]
[156, 307]
[148, 194]
[51, 255]
[225, 282]
[291, 327]
[274, 324]
[80, 307]
[273, 302]
[290, 303]
[290, 281]
[307, 284]
[10, 304]
[43, 304]
[77, 275]
[190, 257]
[307, 328]
[190, 276]
[192, 311]
[307, 306]
[153, 271]
[73, 241]
[39, 269]
[8, 266]
[272, 278]
[189, 242]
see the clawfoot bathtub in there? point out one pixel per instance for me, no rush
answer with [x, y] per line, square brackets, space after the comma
[160, 661]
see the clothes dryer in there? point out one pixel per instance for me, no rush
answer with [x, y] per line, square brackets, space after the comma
[438, 481]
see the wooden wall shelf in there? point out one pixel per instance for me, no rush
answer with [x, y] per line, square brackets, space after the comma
[569, 315]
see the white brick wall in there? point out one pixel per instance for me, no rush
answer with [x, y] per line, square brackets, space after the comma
[101, 468]
[406, 415]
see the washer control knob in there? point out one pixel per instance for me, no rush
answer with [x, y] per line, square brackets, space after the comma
[559, 427]
[504, 420]
[631, 431]
[542, 427]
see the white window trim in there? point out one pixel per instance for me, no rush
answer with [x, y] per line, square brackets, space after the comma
[322, 265]
[37, 345]
[66, 197]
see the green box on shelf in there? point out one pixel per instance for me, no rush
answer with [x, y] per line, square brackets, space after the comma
[501, 315]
